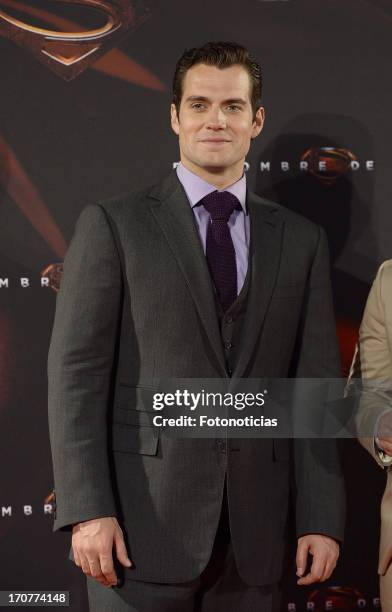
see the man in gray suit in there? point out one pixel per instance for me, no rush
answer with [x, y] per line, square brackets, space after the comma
[195, 277]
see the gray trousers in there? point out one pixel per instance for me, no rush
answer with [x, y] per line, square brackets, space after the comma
[219, 588]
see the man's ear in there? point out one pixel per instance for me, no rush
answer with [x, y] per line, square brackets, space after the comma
[175, 122]
[258, 122]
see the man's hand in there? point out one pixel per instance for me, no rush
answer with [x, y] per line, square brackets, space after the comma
[92, 543]
[384, 433]
[325, 553]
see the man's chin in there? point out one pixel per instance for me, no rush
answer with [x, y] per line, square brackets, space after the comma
[214, 169]
[211, 164]
[215, 166]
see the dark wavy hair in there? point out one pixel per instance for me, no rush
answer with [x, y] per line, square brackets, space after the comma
[222, 55]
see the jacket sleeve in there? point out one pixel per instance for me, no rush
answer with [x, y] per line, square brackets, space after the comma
[320, 493]
[80, 371]
[370, 374]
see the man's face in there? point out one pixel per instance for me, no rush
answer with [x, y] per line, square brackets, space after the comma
[215, 122]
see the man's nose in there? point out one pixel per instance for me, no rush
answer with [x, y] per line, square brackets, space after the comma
[216, 119]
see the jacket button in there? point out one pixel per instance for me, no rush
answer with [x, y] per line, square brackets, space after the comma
[228, 345]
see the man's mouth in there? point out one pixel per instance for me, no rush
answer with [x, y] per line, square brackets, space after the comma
[215, 140]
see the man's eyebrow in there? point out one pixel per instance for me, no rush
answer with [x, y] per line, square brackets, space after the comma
[205, 99]
[235, 101]
[196, 98]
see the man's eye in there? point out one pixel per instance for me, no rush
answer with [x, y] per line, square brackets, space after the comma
[233, 107]
[197, 106]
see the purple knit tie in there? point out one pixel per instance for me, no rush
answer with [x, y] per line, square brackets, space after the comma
[220, 249]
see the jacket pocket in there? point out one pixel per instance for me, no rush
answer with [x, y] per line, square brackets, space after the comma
[134, 398]
[132, 416]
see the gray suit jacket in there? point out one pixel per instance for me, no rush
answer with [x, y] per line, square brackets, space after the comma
[136, 304]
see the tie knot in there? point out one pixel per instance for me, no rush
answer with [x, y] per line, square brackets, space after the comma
[220, 205]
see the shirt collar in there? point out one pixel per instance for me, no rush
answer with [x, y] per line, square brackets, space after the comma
[197, 188]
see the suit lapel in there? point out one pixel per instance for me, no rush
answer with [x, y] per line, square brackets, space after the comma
[171, 209]
[266, 233]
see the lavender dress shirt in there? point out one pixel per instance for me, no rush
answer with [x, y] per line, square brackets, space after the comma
[197, 188]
